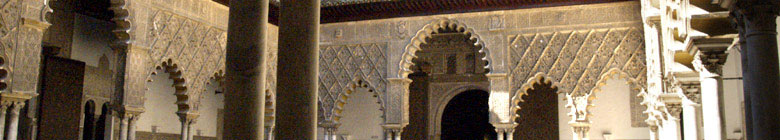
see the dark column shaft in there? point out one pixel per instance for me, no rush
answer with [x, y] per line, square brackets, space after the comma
[245, 72]
[298, 69]
[762, 74]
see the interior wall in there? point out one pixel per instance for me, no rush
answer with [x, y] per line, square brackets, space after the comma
[91, 40]
[611, 114]
[361, 117]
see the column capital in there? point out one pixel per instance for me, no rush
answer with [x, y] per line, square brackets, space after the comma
[757, 16]
[15, 97]
[399, 81]
[188, 117]
[692, 92]
[505, 127]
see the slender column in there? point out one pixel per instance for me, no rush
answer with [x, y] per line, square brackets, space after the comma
[710, 91]
[13, 124]
[3, 110]
[123, 127]
[654, 133]
[299, 22]
[269, 132]
[388, 134]
[397, 133]
[500, 133]
[690, 124]
[187, 120]
[510, 134]
[672, 123]
[245, 72]
[131, 127]
[762, 75]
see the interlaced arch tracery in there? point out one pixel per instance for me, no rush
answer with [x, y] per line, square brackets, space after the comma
[342, 68]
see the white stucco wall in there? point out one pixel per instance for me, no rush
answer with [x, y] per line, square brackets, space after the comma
[209, 106]
[160, 107]
[611, 114]
[91, 40]
[361, 117]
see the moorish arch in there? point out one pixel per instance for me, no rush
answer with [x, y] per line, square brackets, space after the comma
[435, 27]
[344, 99]
[538, 118]
[179, 85]
[397, 107]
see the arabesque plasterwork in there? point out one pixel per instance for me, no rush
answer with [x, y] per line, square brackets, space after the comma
[342, 67]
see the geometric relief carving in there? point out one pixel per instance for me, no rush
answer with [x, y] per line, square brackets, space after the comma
[194, 51]
[20, 47]
[342, 66]
[577, 61]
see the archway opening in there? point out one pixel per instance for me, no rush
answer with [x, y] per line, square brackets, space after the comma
[467, 117]
[538, 116]
[101, 128]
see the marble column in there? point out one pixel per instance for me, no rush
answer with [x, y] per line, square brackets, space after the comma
[123, 127]
[510, 134]
[330, 129]
[3, 110]
[13, 123]
[392, 132]
[671, 126]
[269, 132]
[245, 73]
[187, 120]
[500, 133]
[298, 69]
[690, 125]
[711, 85]
[758, 22]
[131, 125]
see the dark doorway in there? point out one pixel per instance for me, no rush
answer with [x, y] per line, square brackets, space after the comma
[466, 117]
[538, 115]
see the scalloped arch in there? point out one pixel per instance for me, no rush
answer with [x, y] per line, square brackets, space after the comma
[432, 28]
[614, 72]
[529, 85]
[179, 84]
[342, 100]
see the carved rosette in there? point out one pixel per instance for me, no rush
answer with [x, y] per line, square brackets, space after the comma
[345, 67]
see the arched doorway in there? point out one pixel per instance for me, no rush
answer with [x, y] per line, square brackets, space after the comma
[466, 117]
[538, 118]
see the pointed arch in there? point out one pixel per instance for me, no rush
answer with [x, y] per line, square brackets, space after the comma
[433, 28]
[538, 78]
[615, 72]
[344, 97]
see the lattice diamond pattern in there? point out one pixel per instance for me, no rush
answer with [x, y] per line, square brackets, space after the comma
[342, 65]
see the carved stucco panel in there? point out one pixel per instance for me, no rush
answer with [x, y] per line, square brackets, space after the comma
[342, 65]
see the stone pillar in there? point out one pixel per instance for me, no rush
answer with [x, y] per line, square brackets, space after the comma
[392, 132]
[128, 117]
[3, 109]
[672, 123]
[13, 123]
[756, 18]
[298, 58]
[500, 133]
[269, 132]
[245, 73]
[330, 129]
[131, 125]
[499, 102]
[689, 111]
[505, 131]
[710, 93]
[123, 127]
[653, 132]
[187, 120]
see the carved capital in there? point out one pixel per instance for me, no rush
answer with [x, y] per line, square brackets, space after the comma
[505, 127]
[713, 60]
[691, 91]
[758, 17]
[188, 118]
